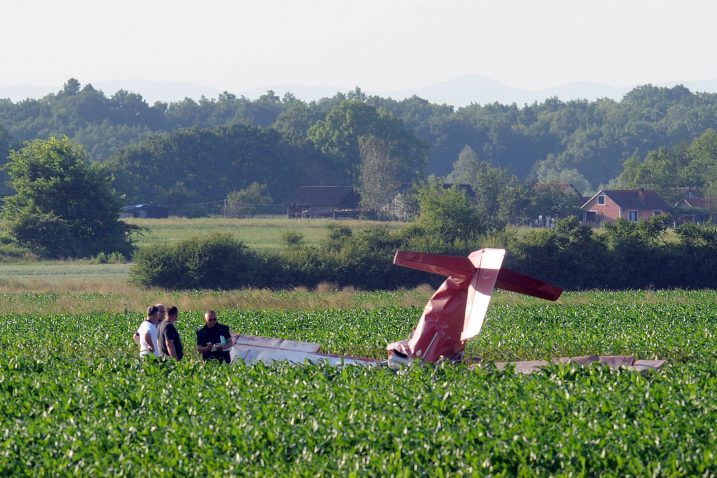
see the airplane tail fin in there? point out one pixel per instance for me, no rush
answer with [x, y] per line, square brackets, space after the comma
[485, 271]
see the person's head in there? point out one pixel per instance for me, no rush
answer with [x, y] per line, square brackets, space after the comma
[172, 313]
[153, 314]
[210, 318]
[162, 311]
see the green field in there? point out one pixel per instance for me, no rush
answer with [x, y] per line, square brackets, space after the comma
[77, 400]
[259, 233]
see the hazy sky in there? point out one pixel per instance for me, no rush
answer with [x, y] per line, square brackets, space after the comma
[379, 45]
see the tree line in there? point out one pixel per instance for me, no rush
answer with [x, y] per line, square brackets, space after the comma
[64, 206]
[583, 142]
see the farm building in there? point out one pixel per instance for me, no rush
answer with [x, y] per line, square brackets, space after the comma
[337, 202]
[608, 205]
[144, 211]
[695, 209]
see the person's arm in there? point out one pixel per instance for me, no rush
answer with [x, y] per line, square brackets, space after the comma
[207, 347]
[170, 348]
[229, 343]
[148, 341]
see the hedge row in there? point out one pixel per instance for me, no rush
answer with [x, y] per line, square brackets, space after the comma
[625, 256]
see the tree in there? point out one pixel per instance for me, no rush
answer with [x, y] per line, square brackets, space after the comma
[63, 207]
[4, 151]
[550, 199]
[71, 87]
[466, 168]
[338, 136]
[488, 182]
[379, 177]
[447, 215]
[248, 201]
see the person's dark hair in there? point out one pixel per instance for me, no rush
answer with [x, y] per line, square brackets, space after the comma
[152, 309]
[173, 311]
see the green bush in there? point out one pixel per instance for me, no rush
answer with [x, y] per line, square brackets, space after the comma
[214, 262]
[111, 258]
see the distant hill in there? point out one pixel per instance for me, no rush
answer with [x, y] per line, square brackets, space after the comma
[478, 89]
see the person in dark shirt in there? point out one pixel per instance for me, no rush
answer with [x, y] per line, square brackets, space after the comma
[170, 343]
[209, 338]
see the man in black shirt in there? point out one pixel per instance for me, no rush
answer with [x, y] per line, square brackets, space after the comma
[170, 343]
[209, 338]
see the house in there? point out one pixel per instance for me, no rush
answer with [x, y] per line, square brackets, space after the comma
[608, 205]
[144, 211]
[695, 209]
[324, 201]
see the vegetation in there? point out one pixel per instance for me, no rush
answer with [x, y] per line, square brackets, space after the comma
[284, 142]
[217, 262]
[189, 169]
[62, 206]
[683, 166]
[247, 202]
[261, 234]
[90, 406]
[625, 255]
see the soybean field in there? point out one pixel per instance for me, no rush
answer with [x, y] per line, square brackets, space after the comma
[77, 400]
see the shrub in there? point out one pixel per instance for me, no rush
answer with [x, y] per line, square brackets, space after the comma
[292, 238]
[214, 262]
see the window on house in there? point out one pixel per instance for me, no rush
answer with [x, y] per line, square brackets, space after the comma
[601, 199]
[590, 216]
[632, 216]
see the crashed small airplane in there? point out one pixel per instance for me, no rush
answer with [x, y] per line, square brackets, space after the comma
[453, 315]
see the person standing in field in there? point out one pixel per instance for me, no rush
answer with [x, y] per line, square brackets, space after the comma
[214, 339]
[147, 333]
[162, 311]
[170, 343]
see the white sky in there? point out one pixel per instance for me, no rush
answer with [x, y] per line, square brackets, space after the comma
[379, 45]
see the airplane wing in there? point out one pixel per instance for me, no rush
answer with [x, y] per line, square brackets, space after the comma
[516, 282]
[253, 349]
[435, 263]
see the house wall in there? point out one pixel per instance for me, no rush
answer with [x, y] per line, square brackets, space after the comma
[609, 211]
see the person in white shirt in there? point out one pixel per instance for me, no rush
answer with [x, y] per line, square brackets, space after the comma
[162, 311]
[148, 333]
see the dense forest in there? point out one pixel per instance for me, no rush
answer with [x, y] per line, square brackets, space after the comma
[193, 151]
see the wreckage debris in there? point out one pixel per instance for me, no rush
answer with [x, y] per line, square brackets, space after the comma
[622, 361]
